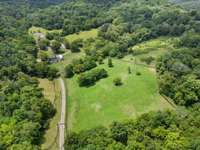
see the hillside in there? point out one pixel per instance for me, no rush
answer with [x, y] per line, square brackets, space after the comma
[189, 4]
[131, 70]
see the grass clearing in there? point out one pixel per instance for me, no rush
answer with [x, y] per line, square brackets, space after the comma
[82, 35]
[34, 29]
[155, 46]
[52, 92]
[104, 103]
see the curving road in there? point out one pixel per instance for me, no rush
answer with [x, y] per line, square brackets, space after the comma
[61, 124]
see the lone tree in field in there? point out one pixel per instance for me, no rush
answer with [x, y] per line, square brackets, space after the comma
[117, 81]
[69, 71]
[129, 70]
[110, 64]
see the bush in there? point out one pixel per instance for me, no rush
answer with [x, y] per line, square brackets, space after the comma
[76, 46]
[66, 43]
[89, 78]
[69, 71]
[55, 45]
[43, 44]
[110, 64]
[148, 60]
[117, 81]
[50, 36]
[82, 65]
[138, 73]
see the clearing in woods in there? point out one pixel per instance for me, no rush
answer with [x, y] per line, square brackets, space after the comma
[104, 103]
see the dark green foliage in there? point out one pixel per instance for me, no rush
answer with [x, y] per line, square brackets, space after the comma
[110, 64]
[50, 35]
[129, 70]
[190, 39]
[117, 81]
[69, 71]
[43, 44]
[138, 73]
[66, 43]
[179, 76]
[76, 46]
[55, 45]
[24, 113]
[89, 78]
[82, 65]
[156, 130]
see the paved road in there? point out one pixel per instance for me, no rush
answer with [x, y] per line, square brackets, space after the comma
[61, 124]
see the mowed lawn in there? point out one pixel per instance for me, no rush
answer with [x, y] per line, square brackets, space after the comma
[104, 103]
[82, 35]
[51, 91]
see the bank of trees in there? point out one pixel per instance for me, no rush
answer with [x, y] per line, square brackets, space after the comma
[179, 71]
[79, 65]
[24, 112]
[89, 78]
[160, 130]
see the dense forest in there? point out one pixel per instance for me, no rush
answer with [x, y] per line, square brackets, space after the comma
[25, 112]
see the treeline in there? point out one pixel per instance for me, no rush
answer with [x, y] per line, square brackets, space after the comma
[24, 112]
[179, 71]
[155, 130]
[135, 22]
[74, 16]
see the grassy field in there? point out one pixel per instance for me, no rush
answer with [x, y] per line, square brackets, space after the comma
[34, 29]
[154, 48]
[103, 103]
[83, 35]
[51, 92]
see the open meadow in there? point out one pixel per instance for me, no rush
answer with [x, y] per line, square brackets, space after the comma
[104, 103]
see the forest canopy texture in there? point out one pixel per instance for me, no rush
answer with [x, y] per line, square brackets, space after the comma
[24, 111]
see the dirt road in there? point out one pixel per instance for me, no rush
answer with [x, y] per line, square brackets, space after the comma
[61, 124]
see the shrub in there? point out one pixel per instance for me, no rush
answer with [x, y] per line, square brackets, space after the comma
[55, 45]
[76, 46]
[69, 71]
[43, 44]
[117, 81]
[50, 36]
[66, 43]
[138, 73]
[148, 60]
[110, 64]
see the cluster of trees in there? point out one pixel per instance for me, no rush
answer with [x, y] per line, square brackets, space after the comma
[179, 72]
[79, 66]
[89, 78]
[156, 130]
[137, 22]
[73, 16]
[24, 112]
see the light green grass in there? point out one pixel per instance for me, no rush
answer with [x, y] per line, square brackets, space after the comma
[154, 48]
[83, 35]
[103, 103]
[51, 92]
[34, 29]
[158, 46]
